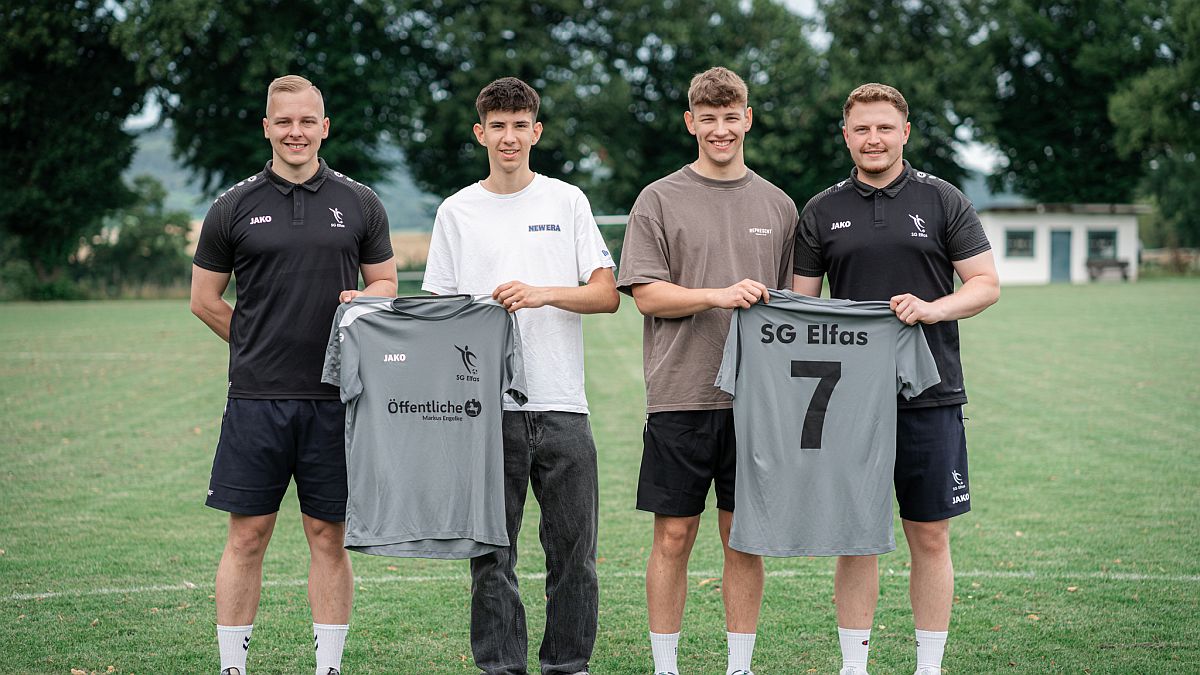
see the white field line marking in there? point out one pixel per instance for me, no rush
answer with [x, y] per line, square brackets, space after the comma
[100, 356]
[465, 578]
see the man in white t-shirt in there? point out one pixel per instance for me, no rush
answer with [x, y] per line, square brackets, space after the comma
[531, 243]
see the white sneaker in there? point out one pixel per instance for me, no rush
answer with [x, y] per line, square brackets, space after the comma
[928, 671]
[853, 670]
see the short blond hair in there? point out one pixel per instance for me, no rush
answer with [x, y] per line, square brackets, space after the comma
[873, 92]
[293, 84]
[717, 87]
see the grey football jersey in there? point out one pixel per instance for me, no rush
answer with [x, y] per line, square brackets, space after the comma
[423, 380]
[814, 384]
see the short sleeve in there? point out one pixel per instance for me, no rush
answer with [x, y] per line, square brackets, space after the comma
[730, 356]
[440, 276]
[214, 250]
[376, 247]
[809, 261]
[514, 364]
[964, 233]
[590, 251]
[644, 252]
[341, 358]
[331, 371]
[916, 370]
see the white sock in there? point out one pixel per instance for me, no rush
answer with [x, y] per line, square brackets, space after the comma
[855, 644]
[741, 649]
[234, 642]
[329, 639]
[665, 646]
[930, 645]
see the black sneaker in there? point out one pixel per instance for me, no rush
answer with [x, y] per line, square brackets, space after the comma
[232, 670]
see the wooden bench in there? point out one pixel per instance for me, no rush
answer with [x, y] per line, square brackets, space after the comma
[1097, 267]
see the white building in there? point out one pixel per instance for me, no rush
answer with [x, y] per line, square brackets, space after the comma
[1076, 243]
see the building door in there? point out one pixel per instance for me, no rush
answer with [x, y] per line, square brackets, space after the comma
[1060, 256]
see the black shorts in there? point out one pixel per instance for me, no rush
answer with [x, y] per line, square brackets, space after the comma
[683, 452]
[265, 442]
[931, 463]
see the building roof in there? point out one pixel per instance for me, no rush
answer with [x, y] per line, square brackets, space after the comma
[1099, 209]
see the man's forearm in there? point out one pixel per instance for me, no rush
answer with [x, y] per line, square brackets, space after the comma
[588, 299]
[666, 300]
[975, 295]
[385, 288]
[216, 314]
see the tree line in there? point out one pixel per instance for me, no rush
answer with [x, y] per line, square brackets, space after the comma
[1085, 100]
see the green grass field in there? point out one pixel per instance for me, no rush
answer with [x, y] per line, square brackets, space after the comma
[1082, 553]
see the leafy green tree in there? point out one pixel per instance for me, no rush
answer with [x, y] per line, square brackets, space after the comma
[210, 63]
[65, 94]
[1156, 114]
[922, 48]
[143, 245]
[613, 81]
[1056, 63]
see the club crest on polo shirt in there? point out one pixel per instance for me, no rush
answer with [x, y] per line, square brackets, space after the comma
[918, 226]
[545, 227]
[337, 218]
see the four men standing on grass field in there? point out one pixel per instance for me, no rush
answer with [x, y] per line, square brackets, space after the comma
[701, 242]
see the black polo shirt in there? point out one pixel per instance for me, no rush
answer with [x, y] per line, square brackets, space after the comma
[292, 249]
[875, 243]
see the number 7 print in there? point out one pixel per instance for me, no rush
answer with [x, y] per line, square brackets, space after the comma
[828, 372]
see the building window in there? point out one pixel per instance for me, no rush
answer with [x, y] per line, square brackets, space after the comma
[1018, 243]
[1102, 245]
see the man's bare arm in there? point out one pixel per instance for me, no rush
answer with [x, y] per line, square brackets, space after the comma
[598, 295]
[980, 289]
[379, 279]
[207, 303]
[666, 300]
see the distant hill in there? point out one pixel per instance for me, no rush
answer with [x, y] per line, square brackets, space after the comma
[408, 207]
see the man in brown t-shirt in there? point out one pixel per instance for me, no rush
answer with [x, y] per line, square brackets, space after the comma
[707, 239]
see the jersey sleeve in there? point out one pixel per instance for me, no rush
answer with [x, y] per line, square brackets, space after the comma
[731, 356]
[787, 257]
[331, 371]
[916, 370]
[440, 276]
[376, 247]
[514, 364]
[809, 259]
[341, 358]
[964, 233]
[644, 252]
[214, 250]
[590, 251]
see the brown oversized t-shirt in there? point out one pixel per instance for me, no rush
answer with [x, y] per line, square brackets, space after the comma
[698, 232]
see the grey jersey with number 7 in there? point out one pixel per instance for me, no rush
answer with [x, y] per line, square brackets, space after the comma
[814, 384]
[423, 380]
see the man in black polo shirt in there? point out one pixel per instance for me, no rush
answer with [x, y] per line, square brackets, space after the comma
[296, 236]
[890, 232]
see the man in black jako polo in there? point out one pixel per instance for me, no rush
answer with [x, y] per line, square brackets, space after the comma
[295, 236]
[890, 232]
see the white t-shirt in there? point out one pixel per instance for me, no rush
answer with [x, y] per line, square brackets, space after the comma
[544, 235]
